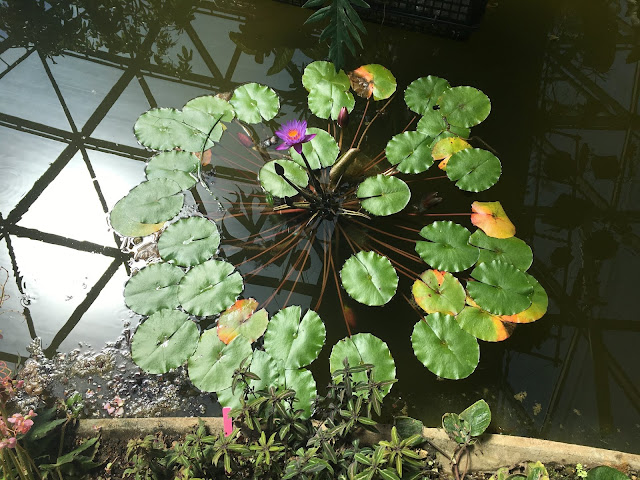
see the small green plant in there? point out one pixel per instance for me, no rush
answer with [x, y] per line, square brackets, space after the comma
[532, 471]
[580, 471]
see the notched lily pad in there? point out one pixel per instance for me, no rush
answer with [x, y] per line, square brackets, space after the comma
[422, 93]
[437, 291]
[484, 325]
[328, 90]
[373, 80]
[539, 304]
[126, 226]
[254, 103]
[474, 169]
[153, 288]
[510, 250]
[178, 166]
[321, 151]
[276, 185]
[410, 152]
[242, 319]
[153, 201]
[189, 241]
[464, 106]
[491, 218]
[369, 278]
[501, 288]
[383, 195]
[448, 247]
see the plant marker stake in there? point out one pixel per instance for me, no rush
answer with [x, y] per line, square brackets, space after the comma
[227, 421]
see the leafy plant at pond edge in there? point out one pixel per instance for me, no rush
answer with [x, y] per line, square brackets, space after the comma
[316, 191]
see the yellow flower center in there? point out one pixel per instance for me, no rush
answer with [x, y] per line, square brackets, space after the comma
[293, 133]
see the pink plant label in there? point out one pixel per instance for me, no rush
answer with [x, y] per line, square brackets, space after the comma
[227, 422]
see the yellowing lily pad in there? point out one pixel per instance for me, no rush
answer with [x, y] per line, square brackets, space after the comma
[491, 218]
[240, 319]
[437, 291]
[484, 325]
[446, 147]
[373, 80]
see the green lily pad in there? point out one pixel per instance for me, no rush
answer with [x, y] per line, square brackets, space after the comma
[539, 304]
[328, 90]
[242, 319]
[364, 348]
[603, 472]
[128, 227]
[410, 152]
[213, 106]
[478, 417]
[501, 288]
[212, 365]
[153, 288]
[269, 369]
[369, 278]
[382, 83]
[164, 341]
[444, 348]
[296, 343]
[321, 151]
[301, 380]
[254, 103]
[422, 93]
[431, 123]
[209, 288]
[474, 169]
[176, 165]
[448, 247]
[383, 195]
[510, 250]
[438, 291]
[464, 106]
[154, 201]
[189, 241]
[276, 185]
[483, 325]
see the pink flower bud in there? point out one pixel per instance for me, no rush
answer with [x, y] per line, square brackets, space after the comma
[343, 117]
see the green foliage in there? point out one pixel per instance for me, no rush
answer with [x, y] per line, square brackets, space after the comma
[369, 278]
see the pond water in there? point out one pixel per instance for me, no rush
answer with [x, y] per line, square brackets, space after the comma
[564, 81]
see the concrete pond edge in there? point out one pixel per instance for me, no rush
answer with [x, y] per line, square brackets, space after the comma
[490, 452]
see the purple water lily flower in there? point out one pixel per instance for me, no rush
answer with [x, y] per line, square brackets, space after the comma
[293, 134]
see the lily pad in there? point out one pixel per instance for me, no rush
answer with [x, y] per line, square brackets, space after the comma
[212, 365]
[464, 106]
[189, 241]
[328, 90]
[373, 80]
[431, 123]
[369, 278]
[154, 201]
[410, 152]
[437, 291]
[422, 93]
[539, 304]
[491, 218]
[209, 288]
[383, 195]
[296, 343]
[176, 165]
[153, 288]
[254, 103]
[269, 369]
[127, 226]
[474, 169]
[301, 380]
[360, 349]
[483, 325]
[444, 348]
[604, 472]
[501, 288]
[164, 341]
[448, 247]
[276, 185]
[510, 250]
[212, 105]
[446, 147]
[321, 151]
[242, 319]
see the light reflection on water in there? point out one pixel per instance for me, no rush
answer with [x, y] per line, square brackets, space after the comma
[564, 87]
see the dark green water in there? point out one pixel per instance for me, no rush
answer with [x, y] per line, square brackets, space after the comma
[564, 81]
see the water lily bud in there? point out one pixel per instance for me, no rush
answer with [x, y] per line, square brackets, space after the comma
[343, 117]
[279, 169]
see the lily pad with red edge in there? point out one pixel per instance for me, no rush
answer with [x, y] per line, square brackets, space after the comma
[444, 348]
[484, 325]
[510, 250]
[421, 94]
[240, 319]
[437, 291]
[474, 169]
[491, 218]
[464, 106]
[410, 152]
[448, 247]
[500, 288]
[446, 147]
[539, 304]
[369, 278]
[276, 185]
[373, 80]
[383, 195]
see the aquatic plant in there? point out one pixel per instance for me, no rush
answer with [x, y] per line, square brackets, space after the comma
[306, 200]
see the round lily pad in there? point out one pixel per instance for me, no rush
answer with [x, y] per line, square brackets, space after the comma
[444, 348]
[212, 365]
[437, 291]
[328, 90]
[431, 123]
[269, 369]
[422, 93]
[383, 195]
[296, 343]
[254, 103]
[364, 348]
[484, 325]
[321, 151]
[464, 106]
[153, 288]
[164, 341]
[209, 288]
[301, 380]
[539, 304]
[214, 106]
[510, 250]
[379, 81]
[242, 319]
[276, 185]
[491, 218]
[474, 169]
[189, 241]
[369, 278]
[175, 165]
[448, 146]
[410, 152]
[160, 128]
[448, 247]
[501, 288]
[154, 201]
[127, 226]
